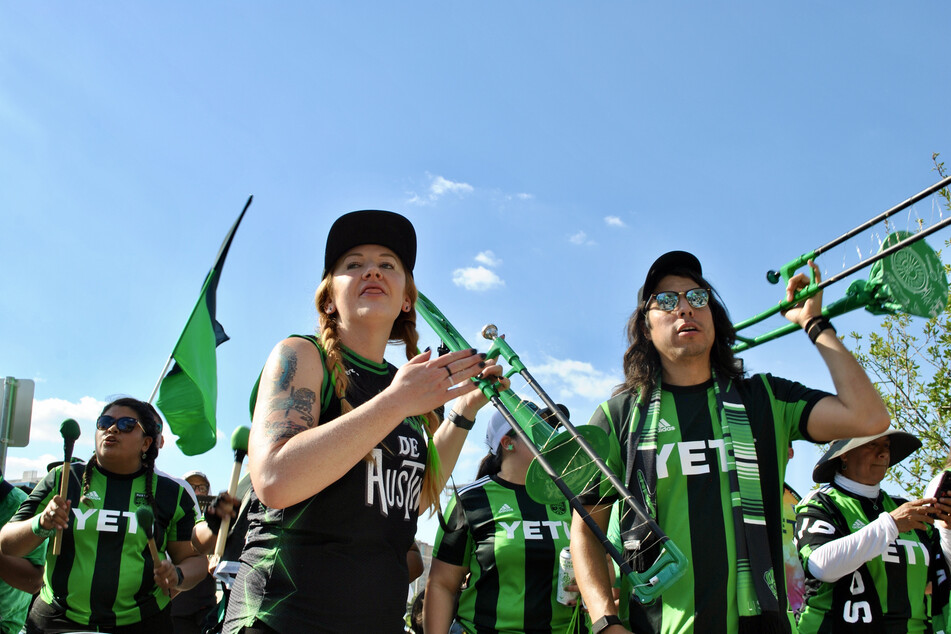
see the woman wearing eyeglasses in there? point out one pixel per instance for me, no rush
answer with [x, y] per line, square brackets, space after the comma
[105, 578]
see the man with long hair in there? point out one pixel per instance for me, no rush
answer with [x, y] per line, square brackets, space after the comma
[703, 448]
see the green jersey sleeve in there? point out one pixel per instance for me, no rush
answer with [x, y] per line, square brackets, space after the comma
[792, 402]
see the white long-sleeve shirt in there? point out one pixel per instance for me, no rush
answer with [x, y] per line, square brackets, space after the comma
[832, 561]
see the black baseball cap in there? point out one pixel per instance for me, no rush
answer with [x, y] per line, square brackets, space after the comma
[662, 266]
[371, 226]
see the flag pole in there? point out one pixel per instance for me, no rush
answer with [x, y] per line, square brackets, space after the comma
[161, 376]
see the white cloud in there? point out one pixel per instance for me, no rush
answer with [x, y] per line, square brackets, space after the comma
[441, 186]
[518, 196]
[573, 378]
[472, 448]
[476, 278]
[581, 238]
[614, 221]
[488, 258]
[49, 413]
[16, 467]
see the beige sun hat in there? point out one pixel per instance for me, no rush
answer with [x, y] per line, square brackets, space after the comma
[903, 445]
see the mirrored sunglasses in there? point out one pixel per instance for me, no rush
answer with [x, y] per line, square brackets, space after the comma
[669, 300]
[123, 423]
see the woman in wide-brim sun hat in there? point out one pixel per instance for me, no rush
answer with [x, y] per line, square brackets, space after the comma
[869, 557]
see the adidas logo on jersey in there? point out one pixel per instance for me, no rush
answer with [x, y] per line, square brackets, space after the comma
[92, 495]
[857, 525]
[663, 426]
[505, 509]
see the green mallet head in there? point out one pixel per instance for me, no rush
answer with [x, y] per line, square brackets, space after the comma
[145, 518]
[69, 430]
[239, 442]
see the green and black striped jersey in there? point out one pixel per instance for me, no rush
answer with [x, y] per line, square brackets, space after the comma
[511, 545]
[103, 576]
[693, 492]
[887, 593]
[14, 603]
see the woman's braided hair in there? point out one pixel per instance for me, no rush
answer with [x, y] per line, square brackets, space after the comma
[150, 421]
[403, 331]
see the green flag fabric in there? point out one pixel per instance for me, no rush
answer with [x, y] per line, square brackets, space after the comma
[189, 392]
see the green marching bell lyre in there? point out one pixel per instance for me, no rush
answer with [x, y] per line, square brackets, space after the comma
[906, 276]
[560, 448]
[566, 462]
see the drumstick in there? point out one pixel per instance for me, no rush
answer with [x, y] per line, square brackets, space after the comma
[70, 431]
[239, 442]
[146, 519]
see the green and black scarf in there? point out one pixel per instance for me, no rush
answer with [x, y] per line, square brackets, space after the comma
[757, 596]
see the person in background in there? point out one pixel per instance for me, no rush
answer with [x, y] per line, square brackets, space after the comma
[20, 577]
[416, 613]
[199, 483]
[190, 608]
[795, 578]
[869, 558]
[105, 577]
[703, 449]
[508, 544]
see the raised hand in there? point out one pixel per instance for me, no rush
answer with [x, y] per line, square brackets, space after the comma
[805, 310]
[424, 383]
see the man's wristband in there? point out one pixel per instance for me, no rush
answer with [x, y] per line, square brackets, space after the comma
[816, 326]
[211, 518]
[38, 529]
[460, 421]
[181, 576]
[604, 623]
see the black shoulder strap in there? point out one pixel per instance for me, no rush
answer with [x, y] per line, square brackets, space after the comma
[641, 479]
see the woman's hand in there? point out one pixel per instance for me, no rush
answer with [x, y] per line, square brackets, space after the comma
[915, 514]
[165, 575]
[811, 307]
[470, 403]
[56, 514]
[424, 383]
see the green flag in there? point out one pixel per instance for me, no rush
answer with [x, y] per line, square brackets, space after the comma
[189, 392]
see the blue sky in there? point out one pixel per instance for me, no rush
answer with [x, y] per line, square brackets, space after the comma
[546, 152]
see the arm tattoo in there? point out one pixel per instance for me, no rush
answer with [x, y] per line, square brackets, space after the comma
[288, 367]
[301, 400]
[283, 430]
